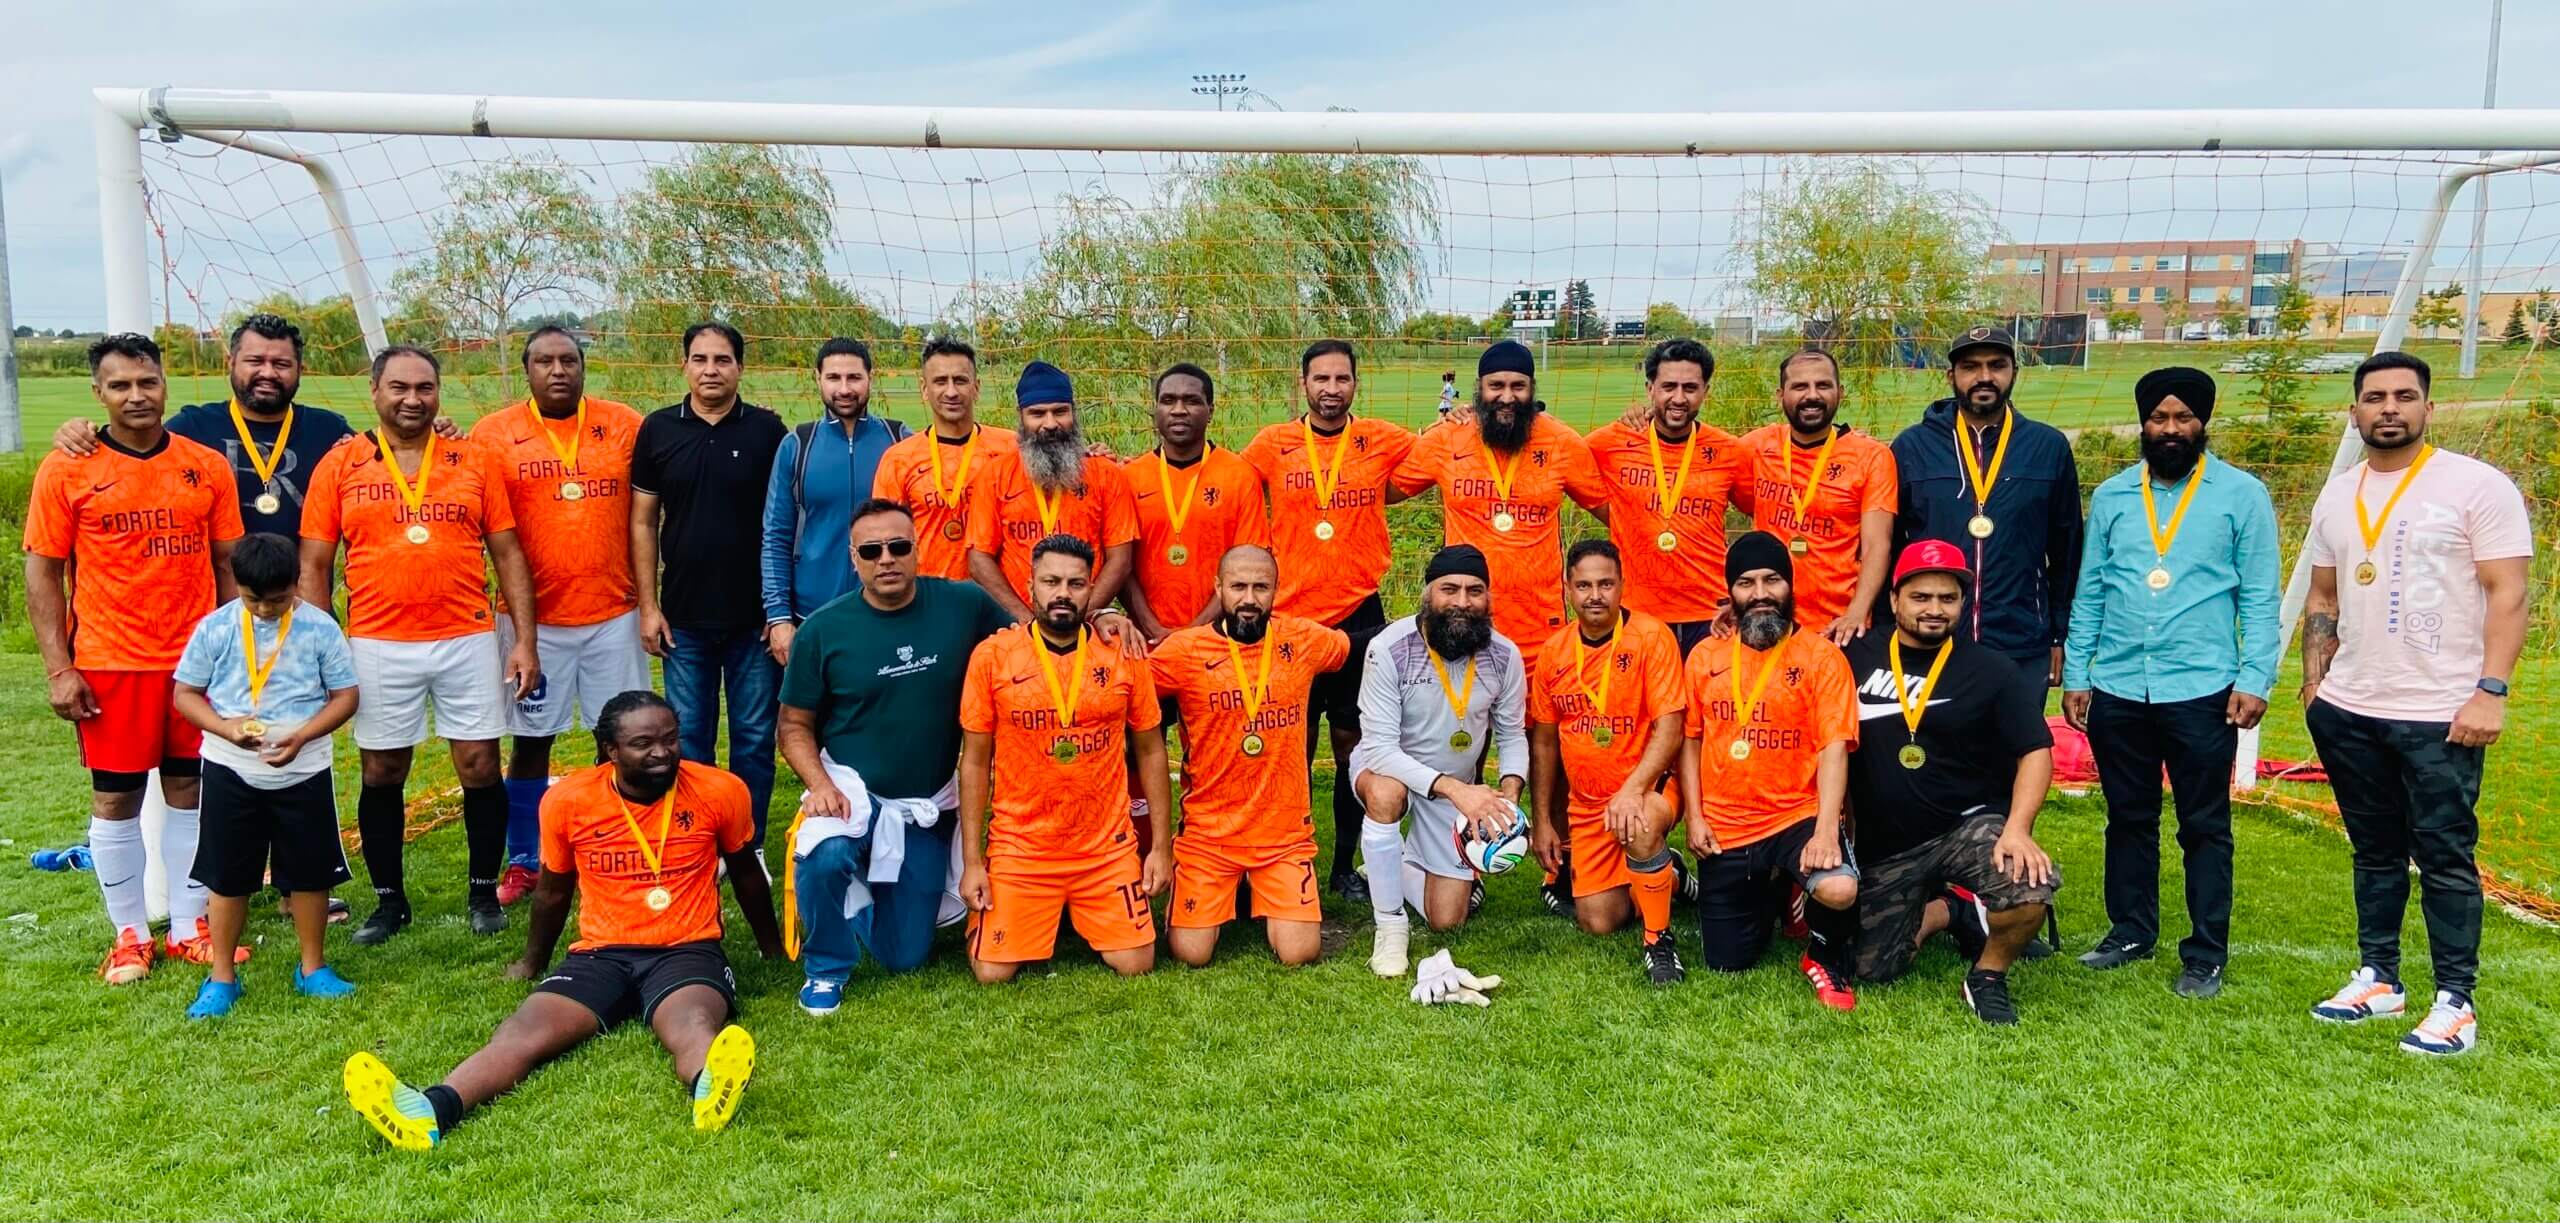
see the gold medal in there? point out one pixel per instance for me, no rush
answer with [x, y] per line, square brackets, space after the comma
[1177, 555]
[1745, 706]
[1459, 697]
[1912, 756]
[417, 533]
[1502, 475]
[1601, 736]
[1741, 749]
[571, 490]
[1063, 750]
[1177, 509]
[1804, 497]
[2162, 537]
[2366, 573]
[1462, 740]
[1063, 698]
[1799, 545]
[1979, 478]
[1596, 701]
[1253, 745]
[1325, 480]
[953, 529]
[264, 463]
[1251, 692]
[258, 671]
[2371, 528]
[1324, 530]
[267, 503]
[2157, 579]
[1667, 485]
[660, 900]
[1667, 542]
[1914, 703]
[412, 495]
[1503, 522]
[253, 728]
[1979, 526]
[950, 497]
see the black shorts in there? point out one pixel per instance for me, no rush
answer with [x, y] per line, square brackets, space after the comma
[1741, 896]
[619, 983]
[246, 828]
[1335, 695]
[1895, 892]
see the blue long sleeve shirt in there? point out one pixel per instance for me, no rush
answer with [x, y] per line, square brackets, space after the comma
[808, 512]
[2215, 625]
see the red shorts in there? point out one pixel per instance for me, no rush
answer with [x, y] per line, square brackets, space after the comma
[1205, 877]
[1102, 896]
[137, 727]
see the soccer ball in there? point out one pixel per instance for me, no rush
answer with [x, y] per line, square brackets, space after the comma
[1499, 854]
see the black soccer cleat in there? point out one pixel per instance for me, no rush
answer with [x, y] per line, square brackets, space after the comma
[1684, 889]
[1988, 994]
[487, 916]
[2113, 952]
[2198, 981]
[1557, 894]
[1351, 886]
[388, 918]
[1662, 962]
[1475, 898]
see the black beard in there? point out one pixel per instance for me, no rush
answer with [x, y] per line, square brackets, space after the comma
[2408, 437]
[1246, 632]
[1055, 460]
[1964, 400]
[1062, 618]
[278, 404]
[2171, 458]
[1513, 436]
[1763, 624]
[860, 408]
[1927, 636]
[1456, 634]
[645, 787]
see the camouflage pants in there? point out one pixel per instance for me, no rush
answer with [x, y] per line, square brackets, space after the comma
[2407, 797]
[1897, 889]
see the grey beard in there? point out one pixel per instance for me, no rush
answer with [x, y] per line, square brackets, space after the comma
[1244, 632]
[1055, 463]
[1762, 627]
[1456, 634]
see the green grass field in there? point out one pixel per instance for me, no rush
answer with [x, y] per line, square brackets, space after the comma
[1249, 1091]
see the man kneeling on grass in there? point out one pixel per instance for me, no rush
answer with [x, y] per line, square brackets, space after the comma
[640, 838]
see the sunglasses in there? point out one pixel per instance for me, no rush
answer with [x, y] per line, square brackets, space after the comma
[894, 547]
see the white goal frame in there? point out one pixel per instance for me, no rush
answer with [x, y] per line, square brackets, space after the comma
[2497, 140]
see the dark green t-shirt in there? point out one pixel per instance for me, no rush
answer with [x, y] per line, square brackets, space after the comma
[886, 685]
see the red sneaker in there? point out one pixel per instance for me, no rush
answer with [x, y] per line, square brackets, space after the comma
[130, 961]
[198, 947]
[515, 884]
[1836, 994]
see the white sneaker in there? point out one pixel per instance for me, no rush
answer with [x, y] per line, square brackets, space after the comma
[1387, 953]
[2365, 996]
[2450, 1028]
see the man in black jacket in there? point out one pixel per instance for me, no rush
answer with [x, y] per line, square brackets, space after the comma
[2008, 495]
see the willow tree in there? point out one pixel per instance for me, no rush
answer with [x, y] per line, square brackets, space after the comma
[1866, 251]
[518, 231]
[1235, 263]
[736, 232]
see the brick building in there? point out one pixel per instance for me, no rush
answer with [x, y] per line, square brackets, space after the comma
[2196, 282]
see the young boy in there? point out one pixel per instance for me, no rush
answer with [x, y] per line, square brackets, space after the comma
[267, 677]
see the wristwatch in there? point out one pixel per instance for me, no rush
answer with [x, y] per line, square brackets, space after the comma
[2494, 687]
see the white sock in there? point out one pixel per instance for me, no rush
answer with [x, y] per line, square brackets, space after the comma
[1417, 884]
[1382, 848]
[178, 838]
[115, 846]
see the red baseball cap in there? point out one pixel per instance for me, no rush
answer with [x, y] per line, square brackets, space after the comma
[1931, 556]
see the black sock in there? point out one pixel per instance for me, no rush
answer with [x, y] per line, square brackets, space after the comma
[484, 829]
[1347, 819]
[381, 821]
[1834, 938]
[448, 1107]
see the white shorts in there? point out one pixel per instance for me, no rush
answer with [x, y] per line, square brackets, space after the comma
[463, 676]
[1431, 837]
[583, 666]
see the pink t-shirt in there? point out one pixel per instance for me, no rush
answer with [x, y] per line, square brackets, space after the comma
[2410, 644]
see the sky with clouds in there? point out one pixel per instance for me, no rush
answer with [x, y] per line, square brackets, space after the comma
[1642, 230]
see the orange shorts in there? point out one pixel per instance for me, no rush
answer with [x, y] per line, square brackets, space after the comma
[1205, 877]
[1599, 862]
[1102, 896]
[136, 727]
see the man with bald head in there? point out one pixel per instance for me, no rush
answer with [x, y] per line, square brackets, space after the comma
[1240, 685]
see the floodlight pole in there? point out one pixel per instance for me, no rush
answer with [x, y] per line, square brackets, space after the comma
[2480, 208]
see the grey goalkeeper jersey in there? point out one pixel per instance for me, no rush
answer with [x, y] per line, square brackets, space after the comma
[1406, 720]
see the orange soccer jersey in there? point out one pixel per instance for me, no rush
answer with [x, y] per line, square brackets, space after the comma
[1231, 795]
[1640, 678]
[610, 842]
[1061, 788]
[1479, 491]
[139, 531]
[1005, 520]
[1806, 702]
[579, 545]
[1220, 498]
[933, 477]
[1683, 583]
[1325, 579]
[1857, 477]
[398, 589]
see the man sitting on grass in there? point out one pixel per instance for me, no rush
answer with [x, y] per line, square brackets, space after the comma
[640, 838]
[267, 677]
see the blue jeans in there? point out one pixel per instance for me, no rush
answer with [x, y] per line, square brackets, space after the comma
[700, 666]
[896, 927]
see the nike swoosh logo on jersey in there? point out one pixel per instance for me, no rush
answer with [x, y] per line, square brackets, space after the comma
[100, 488]
[1869, 709]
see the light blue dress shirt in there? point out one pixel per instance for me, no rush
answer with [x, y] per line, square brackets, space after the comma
[2215, 625]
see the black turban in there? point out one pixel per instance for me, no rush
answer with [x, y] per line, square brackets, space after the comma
[1758, 550]
[1507, 357]
[2193, 387]
[1459, 560]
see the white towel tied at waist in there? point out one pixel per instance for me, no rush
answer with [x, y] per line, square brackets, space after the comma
[887, 820]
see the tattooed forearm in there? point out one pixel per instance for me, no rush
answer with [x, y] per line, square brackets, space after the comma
[2319, 645]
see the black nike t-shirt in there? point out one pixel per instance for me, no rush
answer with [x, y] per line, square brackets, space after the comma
[315, 432]
[1977, 724]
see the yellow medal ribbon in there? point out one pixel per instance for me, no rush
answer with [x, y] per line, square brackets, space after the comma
[577, 429]
[950, 498]
[1980, 478]
[2370, 527]
[1504, 474]
[1608, 671]
[1915, 706]
[1327, 479]
[2162, 538]
[1175, 511]
[1744, 707]
[1260, 689]
[1813, 479]
[263, 464]
[1459, 696]
[656, 858]
[1066, 700]
[411, 495]
[249, 650]
[1048, 509]
[1666, 497]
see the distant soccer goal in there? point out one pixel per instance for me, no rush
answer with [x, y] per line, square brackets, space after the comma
[2271, 247]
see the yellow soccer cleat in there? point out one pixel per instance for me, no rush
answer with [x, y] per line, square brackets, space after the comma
[723, 1080]
[394, 1109]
